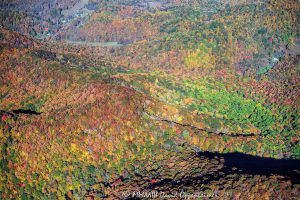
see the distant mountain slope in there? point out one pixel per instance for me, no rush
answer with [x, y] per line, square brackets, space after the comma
[77, 126]
[42, 18]
[15, 39]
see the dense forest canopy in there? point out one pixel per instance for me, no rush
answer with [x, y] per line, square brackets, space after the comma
[100, 97]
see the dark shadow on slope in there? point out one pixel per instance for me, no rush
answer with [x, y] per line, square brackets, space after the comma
[254, 165]
[27, 112]
[237, 164]
[21, 111]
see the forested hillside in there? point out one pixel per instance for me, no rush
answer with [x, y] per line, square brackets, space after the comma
[105, 99]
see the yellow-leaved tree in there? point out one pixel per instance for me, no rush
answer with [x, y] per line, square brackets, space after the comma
[201, 58]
